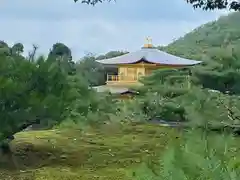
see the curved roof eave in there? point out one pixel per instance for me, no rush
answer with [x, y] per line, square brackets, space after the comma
[123, 59]
[150, 55]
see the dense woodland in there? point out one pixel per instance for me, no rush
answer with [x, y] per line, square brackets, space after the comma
[54, 90]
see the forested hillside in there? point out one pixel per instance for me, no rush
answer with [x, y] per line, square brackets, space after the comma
[222, 33]
[217, 44]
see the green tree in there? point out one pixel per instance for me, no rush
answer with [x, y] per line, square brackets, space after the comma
[91, 70]
[4, 49]
[17, 48]
[33, 92]
[30, 93]
[111, 54]
[60, 50]
[43, 91]
[63, 55]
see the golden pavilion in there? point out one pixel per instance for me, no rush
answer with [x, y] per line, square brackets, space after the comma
[132, 66]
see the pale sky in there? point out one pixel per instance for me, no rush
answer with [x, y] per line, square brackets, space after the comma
[120, 25]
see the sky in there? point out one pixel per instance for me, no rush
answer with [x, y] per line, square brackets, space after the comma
[121, 25]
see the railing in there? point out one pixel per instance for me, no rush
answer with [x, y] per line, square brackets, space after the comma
[182, 81]
[114, 78]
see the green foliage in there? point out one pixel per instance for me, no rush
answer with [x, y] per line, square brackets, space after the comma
[221, 34]
[111, 54]
[93, 71]
[17, 48]
[30, 92]
[188, 95]
[184, 101]
[47, 91]
[56, 92]
[215, 4]
[196, 156]
[4, 49]
[204, 4]
[91, 2]
[217, 45]
[61, 54]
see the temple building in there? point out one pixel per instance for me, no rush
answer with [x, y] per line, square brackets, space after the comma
[134, 65]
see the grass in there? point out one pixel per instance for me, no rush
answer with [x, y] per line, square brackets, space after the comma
[105, 153]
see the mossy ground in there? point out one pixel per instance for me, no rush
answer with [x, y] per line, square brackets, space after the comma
[104, 153]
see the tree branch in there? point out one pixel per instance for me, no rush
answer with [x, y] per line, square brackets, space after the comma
[202, 4]
[231, 114]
